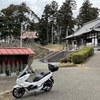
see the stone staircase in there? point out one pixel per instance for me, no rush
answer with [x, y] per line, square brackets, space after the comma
[54, 56]
[48, 55]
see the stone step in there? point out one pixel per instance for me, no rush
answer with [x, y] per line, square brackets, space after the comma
[48, 55]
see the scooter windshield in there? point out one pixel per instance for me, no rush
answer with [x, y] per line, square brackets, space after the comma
[26, 69]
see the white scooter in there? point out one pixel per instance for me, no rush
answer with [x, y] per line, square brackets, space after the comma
[43, 81]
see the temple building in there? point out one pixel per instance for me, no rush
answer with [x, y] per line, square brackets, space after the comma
[88, 34]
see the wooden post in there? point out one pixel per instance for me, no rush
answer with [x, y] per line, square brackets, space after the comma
[21, 65]
[0, 68]
[17, 67]
[13, 66]
[3, 67]
[97, 39]
[94, 38]
[8, 70]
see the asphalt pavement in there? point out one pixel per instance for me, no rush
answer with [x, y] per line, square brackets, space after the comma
[71, 83]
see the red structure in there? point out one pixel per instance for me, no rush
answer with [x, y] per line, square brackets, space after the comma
[14, 59]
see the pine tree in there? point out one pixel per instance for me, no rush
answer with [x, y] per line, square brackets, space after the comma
[87, 13]
[66, 16]
[47, 21]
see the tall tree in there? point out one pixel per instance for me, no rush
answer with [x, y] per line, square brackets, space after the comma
[66, 17]
[53, 19]
[87, 13]
[48, 19]
[13, 16]
[44, 23]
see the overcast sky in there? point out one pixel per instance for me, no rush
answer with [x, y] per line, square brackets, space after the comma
[38, 5]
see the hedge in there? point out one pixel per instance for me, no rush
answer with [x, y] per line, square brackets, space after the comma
[81, 55]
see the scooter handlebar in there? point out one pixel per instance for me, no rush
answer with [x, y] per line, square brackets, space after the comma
[32, 72]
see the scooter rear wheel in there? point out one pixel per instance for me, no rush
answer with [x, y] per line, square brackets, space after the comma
[48, 86]
[18, 92]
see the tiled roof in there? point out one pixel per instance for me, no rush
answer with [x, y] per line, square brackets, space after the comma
[87, 27]
[15, 51]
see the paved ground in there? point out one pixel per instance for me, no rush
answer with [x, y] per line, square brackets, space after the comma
[94, 62]
[71, 83]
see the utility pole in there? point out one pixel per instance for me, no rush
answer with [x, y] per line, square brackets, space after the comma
[21, 35]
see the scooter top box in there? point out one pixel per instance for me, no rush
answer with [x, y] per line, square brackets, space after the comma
[52, 67]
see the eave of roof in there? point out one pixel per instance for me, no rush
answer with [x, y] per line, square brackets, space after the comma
[15, 51]
[87, 27]
[70, 36]
[97, 29]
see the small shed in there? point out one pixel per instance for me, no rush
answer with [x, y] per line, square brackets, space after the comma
[30, 36]
[13, 60]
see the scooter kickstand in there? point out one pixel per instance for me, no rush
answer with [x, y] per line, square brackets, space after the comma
[35, 93]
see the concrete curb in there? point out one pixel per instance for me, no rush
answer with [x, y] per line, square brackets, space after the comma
[5, 92]
[66, 65]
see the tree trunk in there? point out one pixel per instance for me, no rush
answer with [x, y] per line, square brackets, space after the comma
[66, 36]
[47, 33]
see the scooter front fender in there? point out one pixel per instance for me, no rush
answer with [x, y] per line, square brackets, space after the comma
[17, 86]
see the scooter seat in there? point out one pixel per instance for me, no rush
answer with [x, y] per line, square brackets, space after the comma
[44, 73]
[38, 77]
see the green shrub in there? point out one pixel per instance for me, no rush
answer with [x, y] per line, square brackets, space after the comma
[77, 58]
[66, 59]
[63, 60]
[83, 54]
[70, 57]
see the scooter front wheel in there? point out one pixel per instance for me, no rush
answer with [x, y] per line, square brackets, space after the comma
[18, 92]
[48, 85]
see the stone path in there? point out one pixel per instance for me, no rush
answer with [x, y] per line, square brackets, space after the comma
[94, 61]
